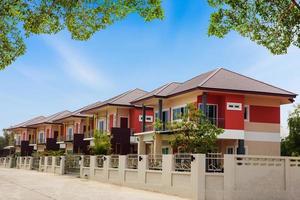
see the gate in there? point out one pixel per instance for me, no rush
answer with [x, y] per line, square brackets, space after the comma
[36, 163]
[72, 165]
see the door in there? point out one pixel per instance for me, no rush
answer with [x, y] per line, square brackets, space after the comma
[55, 135]
[123, 122]
[165, 119]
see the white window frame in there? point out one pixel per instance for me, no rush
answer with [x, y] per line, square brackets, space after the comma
[248, 114]
[233, 149]
[234, 106]
[176, 107]
[149, 118]
[104, 124]
[68, 135]
[164, 110]
[42, 133]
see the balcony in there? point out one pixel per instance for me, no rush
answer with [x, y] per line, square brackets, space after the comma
[88, 135]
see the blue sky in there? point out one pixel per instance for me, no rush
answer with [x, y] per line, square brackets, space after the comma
[58, 73]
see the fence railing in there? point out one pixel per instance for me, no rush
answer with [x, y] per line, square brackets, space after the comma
[57, 161]
[100, 161]
[86, 161]
[182, 162]
[214, 163]
[132, 161]
[42, 160]
[49, 160]
[155, 162]
[114, 161]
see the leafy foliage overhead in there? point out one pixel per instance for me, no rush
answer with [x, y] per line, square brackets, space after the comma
[273, 24]
[290, 146]
[194, 133]
[81, 17]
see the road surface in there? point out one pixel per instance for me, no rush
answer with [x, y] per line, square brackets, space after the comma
[17, 184]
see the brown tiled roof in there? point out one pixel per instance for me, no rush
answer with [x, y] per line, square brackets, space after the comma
[123, 99]
[24, 124]
[50, 119]
[162, 91]
[220, 79]
[223, 79]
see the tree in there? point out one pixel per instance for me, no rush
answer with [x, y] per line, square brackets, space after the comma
[102, 145]
[273, 24]
[194, 133]
[19, 18]
[6, 140]
[290, 146]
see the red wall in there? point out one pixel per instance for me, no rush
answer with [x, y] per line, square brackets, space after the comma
[265, 114]
[111, 121]
[135, 124]
[234, 119]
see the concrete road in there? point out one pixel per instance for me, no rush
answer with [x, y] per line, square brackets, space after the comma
[16, 184]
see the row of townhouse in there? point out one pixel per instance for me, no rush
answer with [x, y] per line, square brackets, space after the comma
[247, 109]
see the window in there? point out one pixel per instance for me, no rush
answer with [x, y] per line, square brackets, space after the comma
[41, 137]
[101, 125]
[246, 112]
[230, 150]
[211, 112]
[165, 150]
[234, 106]
[179, 112]
[70, 133]
[148, 118]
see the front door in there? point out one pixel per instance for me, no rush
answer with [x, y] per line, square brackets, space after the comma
[123, 122]
[55, 135]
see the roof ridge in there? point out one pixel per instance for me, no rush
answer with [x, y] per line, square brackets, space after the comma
[163, 87]
[121, 95]
[213, 73]
[258, 81]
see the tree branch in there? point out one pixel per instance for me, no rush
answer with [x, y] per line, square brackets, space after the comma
[296, 4]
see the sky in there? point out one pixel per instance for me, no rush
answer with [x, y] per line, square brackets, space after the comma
[58, 73]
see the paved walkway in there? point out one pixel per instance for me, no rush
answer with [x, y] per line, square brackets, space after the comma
[16, 184]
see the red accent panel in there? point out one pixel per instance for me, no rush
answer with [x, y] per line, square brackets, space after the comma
[111, 121]
[135, 124]
[265, 114]
[234, 119]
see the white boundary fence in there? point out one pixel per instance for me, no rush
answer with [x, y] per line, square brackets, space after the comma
[239, 178]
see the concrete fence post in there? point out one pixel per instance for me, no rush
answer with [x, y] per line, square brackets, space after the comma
[106, 166]
[40, 163]
[229, 176]
[122, 167]
[167, 168]
[46, 164]
[62, 165]
[81, 163]
[92, 166]
[30, 163]
[53, 164]
[142, 168]
[198, 176]
[10, 162]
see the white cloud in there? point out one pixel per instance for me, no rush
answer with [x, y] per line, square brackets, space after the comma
[77, 65]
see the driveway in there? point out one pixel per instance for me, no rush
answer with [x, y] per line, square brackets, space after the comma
[16, 184]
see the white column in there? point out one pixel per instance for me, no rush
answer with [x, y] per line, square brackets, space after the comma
[106, 167]
[62, 165]
[142, 168]
[198, 177]
[30, 163]
[229, 174]
[81, 167]
[92, 166]
[122, 167]
[141, 145]
[167, 168]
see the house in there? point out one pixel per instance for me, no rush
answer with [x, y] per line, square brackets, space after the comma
[74, 126]
[47, 131]
[25, 137]
[247, 109]
[121, 119]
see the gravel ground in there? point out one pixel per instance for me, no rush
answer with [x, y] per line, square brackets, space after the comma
[16, 184]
